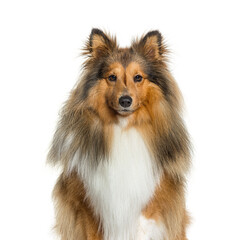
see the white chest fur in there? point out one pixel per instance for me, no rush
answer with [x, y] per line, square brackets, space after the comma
[122, 185]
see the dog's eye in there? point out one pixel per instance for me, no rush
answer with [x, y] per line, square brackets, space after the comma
[112, 78]
[138, 78]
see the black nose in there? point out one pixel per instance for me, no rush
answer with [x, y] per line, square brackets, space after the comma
[125, 101]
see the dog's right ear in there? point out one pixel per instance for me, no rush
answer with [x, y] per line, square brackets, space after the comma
[99, 44]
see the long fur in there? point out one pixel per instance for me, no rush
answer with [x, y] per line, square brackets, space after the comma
[91, 137]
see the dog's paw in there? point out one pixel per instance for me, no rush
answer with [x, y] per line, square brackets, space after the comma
[149, 229]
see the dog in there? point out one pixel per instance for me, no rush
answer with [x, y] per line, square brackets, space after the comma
[122, 146]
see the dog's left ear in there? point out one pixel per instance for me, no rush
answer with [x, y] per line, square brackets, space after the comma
[100, 44]
[151, 45]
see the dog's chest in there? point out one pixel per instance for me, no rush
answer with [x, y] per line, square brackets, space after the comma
[123, 184]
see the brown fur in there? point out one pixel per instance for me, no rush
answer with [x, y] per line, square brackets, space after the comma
[93, 109]
[75, 218]
[168, 205]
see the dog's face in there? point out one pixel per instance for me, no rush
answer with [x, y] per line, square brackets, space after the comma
[122, 78]
[126, 87]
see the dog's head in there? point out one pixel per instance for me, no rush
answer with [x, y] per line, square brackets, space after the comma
[124, 79]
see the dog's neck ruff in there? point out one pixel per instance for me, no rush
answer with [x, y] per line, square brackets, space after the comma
[121, 186]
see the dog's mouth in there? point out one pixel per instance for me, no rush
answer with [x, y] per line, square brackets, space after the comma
[125, 111]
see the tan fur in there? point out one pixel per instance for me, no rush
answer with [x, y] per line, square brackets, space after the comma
[168, 206]
[74, 220]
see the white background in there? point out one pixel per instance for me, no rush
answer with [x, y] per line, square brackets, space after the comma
[39, 47]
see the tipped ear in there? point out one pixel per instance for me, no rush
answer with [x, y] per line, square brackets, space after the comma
[151, 45]
[99, 43]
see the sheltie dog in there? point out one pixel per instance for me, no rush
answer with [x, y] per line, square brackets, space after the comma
[122, 146]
